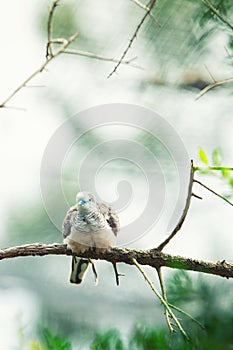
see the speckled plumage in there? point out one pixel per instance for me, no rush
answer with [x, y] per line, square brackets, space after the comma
[88, 225]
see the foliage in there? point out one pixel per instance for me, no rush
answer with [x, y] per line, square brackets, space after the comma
[110, 340]
[55, 342]
[224, 173]
[208, 302]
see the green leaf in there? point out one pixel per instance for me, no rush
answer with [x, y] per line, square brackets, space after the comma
[203, 156]
[225, 172]
[110, 340]
[54, 342]
[217, 157]
[231, 181]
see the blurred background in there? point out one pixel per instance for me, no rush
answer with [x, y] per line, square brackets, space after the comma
[176, 50]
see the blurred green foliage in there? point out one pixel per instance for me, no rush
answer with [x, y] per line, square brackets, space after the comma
[216, 168]
[211, 305]
[30, 225]
[52, 342]
[108, 340]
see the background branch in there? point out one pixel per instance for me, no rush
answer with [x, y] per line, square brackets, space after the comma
[150, 7]
[151, 257]
[218, 14]
[212, 86]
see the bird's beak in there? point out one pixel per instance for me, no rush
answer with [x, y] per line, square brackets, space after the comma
[81, 202]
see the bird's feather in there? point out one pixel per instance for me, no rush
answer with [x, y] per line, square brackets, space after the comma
[70, 231]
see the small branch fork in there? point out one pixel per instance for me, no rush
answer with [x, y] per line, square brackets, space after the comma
[215, 83]
[212, 86]
[51, 54]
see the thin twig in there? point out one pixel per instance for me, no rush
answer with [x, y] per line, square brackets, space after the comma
[185, 211]
[117, 274]
[212, 86]
[40, 69]
[102, 58]
[94, 271]
[210, 74]
[49, 51]
[196, 196]
[151, 5]
[212, 191]
[219, 15]
[186, 314]
[159, 296]
[146, 8]
[164, 294]
[199, 168]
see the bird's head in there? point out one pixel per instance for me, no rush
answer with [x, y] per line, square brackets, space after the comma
[85, 202]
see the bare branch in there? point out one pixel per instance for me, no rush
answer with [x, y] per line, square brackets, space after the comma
[49, 51]
[152, 257]
[218, 14]
[196, 196]
[150, 6]
[212, 191]
[144, 7]
[66, 43]
[101, 58]
[186, 314]
[164, 294]
[212, 86]
[185, 211]
[223, 81]
[159, 296]
[117, 274]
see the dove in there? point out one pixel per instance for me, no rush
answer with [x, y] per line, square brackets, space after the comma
[88, 225]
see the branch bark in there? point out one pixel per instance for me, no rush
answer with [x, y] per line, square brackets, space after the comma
[151, 257]
[185, 211]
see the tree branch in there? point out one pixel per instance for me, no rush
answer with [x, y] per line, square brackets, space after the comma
[162, 299]
[164, 294]
[150, 7]
[212, 86]
[152, 257]
[49, 51]
[51, 54]
[146, 8]
[185, 211]
[218, 14]
[102, 58]
[212, 191]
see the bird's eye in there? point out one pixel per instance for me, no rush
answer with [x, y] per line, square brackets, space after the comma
[90, 199]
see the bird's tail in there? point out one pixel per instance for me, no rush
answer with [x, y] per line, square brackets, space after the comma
[78, 270]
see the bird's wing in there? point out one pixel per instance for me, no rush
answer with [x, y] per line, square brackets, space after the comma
[67, 223]
[110, 216]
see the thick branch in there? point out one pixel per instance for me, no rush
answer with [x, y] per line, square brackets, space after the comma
[152, 257]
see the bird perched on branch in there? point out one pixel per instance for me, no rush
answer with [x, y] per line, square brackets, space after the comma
[88, 225]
